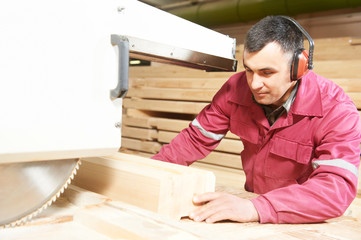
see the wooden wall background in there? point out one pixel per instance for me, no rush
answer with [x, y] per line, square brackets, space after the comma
[164, 99]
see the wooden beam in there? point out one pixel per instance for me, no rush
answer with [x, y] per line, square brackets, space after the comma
[176, 125]
[162, 70]
[226, 177]
[143, 146]
[338, 68]
[356, 98]
[349, 85]
[139, 121]
[173, 125]
[199, 95]
[226, 145]
[117, 220]
[139, 133]
[178, 83]
[329, 48]
[157, 186]
[223, 159]
[164, 106]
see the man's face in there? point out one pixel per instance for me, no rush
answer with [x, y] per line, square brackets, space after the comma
[268, 74]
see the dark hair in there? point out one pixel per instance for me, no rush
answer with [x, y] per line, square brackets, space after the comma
[274, 29]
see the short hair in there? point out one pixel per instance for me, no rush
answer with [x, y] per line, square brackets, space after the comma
[274, 29]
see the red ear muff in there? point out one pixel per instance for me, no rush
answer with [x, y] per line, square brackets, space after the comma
[302, 60]
[299, 65]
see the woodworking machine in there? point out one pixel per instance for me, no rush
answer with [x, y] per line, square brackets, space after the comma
[64, 71]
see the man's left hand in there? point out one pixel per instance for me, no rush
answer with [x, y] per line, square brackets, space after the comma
[218, 206]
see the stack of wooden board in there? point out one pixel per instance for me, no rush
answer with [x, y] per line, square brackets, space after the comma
[157, 109]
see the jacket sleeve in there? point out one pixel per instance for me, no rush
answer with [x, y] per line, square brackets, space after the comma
[332, 186]
[203, 134]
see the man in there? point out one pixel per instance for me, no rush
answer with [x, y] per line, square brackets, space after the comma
[301, 138]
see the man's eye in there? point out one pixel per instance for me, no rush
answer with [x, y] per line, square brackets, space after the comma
[267, 73]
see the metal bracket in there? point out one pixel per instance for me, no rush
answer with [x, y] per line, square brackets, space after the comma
[123, 70]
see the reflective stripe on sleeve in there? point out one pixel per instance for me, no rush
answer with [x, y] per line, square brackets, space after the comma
[206, 133]
[337, 163]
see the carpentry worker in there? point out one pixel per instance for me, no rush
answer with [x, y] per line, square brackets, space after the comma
[301, 135]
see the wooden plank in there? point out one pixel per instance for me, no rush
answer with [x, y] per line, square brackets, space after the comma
[333, 27]
[226, 145]
[338, 68]
[337, 25]
[216, 158]
[58, 231]
[164, 106]
[139, 133]
[230, 146]
[178, 83]
[223, 159]
[355, 41]
[117, 221]
[329, 49]
[140, 121]
[157, 186]
[136, 153]
[356, 98]
[175, 125]
[132, 112]
[226, 177]
[349, 85]
[161, 70]
[143, 146]
[199, 95]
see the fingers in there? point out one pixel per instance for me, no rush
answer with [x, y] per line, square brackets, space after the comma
[214, 207]
[205, 197]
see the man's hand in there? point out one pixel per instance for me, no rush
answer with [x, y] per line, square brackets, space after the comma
[217, 206]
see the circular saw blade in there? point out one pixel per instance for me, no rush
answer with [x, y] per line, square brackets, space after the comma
[27, 188]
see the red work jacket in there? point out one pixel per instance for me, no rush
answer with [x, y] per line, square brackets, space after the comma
[304, 167]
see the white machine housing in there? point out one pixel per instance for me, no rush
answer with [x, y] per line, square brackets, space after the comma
[58, 66]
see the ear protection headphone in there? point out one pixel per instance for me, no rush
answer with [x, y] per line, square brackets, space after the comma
[302, 60]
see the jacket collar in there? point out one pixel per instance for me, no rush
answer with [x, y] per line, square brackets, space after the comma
[307, 102]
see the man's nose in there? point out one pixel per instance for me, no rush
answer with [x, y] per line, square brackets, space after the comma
[257, 82]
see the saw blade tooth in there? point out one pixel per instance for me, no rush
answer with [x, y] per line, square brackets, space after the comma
[41, 209]
[67, 184]
[28, 218]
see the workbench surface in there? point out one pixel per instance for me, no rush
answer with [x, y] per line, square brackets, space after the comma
[80, 214]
